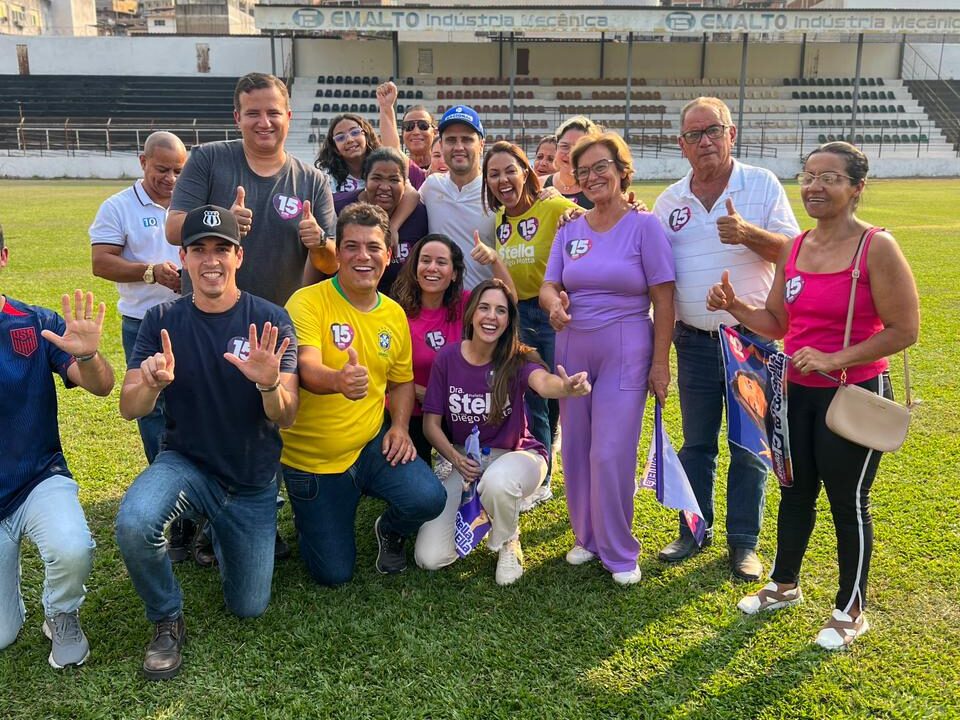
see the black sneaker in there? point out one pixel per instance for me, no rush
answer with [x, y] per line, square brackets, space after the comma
[163, 657]
[202, 547]
[182, 531]
[391, 558]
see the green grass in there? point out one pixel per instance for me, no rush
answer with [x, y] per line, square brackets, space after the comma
[563, 642]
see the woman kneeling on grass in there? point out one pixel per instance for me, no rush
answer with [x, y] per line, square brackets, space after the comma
[807, 306]
[481, 382]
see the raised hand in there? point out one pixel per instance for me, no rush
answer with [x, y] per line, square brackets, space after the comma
[262, 365]
[386, 94]
[731, 228]
[721, 296]
[157, 370]
[481, 253]
[167, 274]
[559, 317]
[574, 385]
[309, 230]
[353, 378]
[241, 212]
[634, 202]
[82, 336]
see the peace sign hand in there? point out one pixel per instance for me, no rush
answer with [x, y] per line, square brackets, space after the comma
[262, 365]
[82, 336]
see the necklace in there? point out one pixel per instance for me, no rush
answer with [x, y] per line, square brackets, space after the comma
[565, 188]
[193, 298]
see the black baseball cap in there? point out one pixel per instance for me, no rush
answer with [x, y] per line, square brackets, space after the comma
[210, 221]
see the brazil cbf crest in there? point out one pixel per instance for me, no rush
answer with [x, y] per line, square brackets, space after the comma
[384, 340]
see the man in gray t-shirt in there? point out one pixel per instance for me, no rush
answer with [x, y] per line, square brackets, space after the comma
[284, 207]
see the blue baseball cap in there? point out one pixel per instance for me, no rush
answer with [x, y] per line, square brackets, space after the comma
[461, 114]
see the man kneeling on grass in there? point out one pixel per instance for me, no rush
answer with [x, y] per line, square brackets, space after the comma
[226, 387]
[38, 496]
[354, 350]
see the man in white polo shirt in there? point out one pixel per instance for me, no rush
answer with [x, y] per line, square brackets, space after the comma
[128, 246]
[453, 199]
[724, 215]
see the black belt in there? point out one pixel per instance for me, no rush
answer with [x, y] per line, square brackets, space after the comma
[714, 334]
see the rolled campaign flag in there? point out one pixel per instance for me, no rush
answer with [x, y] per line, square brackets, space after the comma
[473, 524]
[666, 476]
[756, 387]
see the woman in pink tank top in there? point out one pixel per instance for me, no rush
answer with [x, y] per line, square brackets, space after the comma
[807, 307]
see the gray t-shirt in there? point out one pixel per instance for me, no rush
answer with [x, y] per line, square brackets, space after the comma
[273, 256]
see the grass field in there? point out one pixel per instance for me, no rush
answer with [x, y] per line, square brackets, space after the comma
[563, 642]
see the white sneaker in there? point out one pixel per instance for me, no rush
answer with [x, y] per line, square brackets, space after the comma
[510, 563]
[841, 630]
[578, 555]
[770, 598]
[627, 578]
[539, 496]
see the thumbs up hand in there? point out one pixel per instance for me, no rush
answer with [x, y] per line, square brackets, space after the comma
[721, 296]
[353, 378]
[309, 230]
[240, 211]
[483, 254]
[559, 317]
[732, 228]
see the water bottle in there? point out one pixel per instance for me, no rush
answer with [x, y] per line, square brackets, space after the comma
[485, 459]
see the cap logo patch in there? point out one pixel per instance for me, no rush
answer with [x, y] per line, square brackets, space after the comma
[211, 218]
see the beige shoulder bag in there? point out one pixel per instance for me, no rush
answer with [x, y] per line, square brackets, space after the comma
[862, 416]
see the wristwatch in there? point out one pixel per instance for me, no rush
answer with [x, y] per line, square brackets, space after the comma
[148, 277]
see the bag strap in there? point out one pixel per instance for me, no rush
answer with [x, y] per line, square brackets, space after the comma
[854, 276]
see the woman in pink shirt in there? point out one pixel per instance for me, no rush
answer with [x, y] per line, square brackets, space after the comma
[807, 307]
[430, 291]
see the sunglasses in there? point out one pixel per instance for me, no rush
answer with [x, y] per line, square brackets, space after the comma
[828, 179]
[352, 133]
[421, 125]
[713, 132]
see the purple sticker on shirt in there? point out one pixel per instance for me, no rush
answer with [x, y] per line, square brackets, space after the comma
[578, 247]
[504, 231]
[287, 206]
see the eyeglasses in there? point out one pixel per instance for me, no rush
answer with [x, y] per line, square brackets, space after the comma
[598, 168]
[352, 133]
[421, 125]
[691, 137]
[828, 179]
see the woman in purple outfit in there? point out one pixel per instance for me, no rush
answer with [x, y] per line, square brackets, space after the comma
[605, 269]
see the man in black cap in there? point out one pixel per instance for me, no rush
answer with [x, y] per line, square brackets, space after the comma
[227, 388]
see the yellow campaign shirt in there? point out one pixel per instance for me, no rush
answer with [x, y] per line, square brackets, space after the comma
[330, 430]
[524, 242]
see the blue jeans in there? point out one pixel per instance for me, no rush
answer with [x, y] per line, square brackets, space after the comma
[536, 332]
[702, 397]
[244, 528]
[151, 426]
[325, 507]
[52, 518]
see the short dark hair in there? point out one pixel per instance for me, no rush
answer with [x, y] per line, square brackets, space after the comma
[258, 81]
[385, 154]
[365, 214]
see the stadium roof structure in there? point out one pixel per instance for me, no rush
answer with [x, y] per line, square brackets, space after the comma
[280, 16]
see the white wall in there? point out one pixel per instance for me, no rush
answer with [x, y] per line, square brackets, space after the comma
[945, 58]
[144, 55]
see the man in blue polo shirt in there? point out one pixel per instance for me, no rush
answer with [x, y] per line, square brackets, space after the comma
[226, 363]
[38, 495]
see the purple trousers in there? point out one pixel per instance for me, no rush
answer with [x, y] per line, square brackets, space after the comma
[601, 433]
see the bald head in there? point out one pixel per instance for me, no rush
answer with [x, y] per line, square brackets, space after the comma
[165, 140]
[162, 161]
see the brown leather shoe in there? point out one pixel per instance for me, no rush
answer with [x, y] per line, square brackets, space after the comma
[163, 658]
[745, 564]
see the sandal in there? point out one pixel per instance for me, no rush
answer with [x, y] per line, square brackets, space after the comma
[841, 630]
[770, 598]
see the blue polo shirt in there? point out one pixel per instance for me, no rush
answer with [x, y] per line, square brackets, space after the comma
[30, 450]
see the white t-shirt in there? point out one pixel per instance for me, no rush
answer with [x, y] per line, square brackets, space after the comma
[132, 221]
[457, 213]
[699, 255]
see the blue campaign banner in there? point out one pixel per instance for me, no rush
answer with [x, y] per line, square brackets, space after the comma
[665, 475]
[757, 400]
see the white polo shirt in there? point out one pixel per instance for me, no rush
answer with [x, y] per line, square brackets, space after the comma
[132, 221]
[457, 213]
[699, 255]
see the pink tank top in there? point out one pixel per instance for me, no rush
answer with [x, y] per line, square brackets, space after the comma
[816, 305]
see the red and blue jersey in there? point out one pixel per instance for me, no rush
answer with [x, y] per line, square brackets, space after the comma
[30, 449]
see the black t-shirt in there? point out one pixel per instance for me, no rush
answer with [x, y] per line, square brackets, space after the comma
[578, 197]
[214, 415]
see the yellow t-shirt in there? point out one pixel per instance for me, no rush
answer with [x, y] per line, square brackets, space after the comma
[330, 430]
[524, 242]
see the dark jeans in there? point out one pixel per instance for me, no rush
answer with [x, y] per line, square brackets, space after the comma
[847, 471]
[244, 526]
[536, 332]
[702, 396]
[325, 507]
[151, 426]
